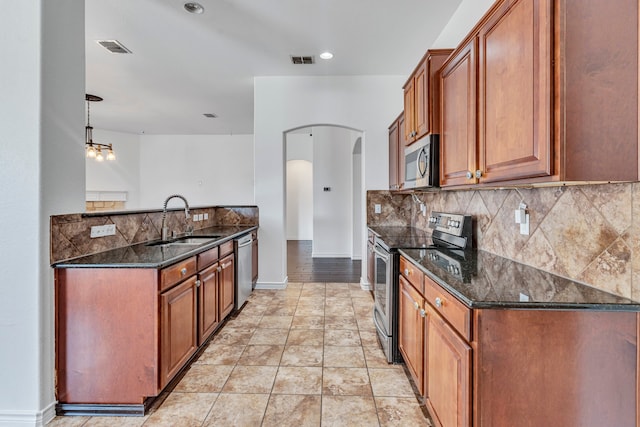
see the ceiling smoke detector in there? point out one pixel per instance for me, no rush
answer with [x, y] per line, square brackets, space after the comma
[299, 59]
[193, 7]
[113, 46]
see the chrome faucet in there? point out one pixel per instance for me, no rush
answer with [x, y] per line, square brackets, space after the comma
[165, 230]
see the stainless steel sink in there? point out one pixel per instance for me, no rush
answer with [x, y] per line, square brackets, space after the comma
[184, 241]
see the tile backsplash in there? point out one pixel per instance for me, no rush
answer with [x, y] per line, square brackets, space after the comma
[70, 234]
[588, 233]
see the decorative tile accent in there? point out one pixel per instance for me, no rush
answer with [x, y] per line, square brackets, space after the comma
[588, 233]
[70, 233]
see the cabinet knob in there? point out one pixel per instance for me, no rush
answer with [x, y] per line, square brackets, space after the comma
[469, 175]
[183, 271]
[219, 269]
[407, 272]
[438, 302]
[416, 305]
[423, 313]
[478, 173]
[198, 283]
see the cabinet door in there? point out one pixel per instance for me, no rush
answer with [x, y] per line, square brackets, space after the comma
[178, 340]
[411, 331]
[514, 108]
[448, 373]
[254, 259]
[409, 112]
[394, 150]
[458, 115]
[207, 303]
[227, 284]
[421, 99]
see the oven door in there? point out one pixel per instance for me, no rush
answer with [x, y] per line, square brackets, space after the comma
[383, 299]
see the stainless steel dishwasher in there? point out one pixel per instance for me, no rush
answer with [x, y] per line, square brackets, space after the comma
[243, 269]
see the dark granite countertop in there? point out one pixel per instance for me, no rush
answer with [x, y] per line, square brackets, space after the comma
[491, 281]
[142, 256]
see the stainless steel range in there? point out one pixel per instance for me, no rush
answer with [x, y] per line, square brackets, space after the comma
[450, 239]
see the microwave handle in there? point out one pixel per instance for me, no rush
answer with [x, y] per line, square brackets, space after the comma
[423, 162]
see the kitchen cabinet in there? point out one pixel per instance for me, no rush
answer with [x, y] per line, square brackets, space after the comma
[227, 285]
[447, 361]
[411, 331]
[496, 366]
[178, 328]
[208, 290]
[421, 97]
[546, 103]
[458, 137]
[396, 154]
[149, 321]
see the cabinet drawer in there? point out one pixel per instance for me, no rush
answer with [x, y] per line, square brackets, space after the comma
[452, 310]
[226, 248]
[412, 274]
[207, 258]
[171, 275]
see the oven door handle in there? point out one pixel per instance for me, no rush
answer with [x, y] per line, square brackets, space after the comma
[375, 322]
[383, 255]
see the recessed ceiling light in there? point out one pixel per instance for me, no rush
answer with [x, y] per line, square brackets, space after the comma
[193, 7]
[326, 55]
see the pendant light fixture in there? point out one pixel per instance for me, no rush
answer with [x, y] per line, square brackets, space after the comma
[94, 149]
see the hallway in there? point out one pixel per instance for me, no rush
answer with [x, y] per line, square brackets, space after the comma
[301, 267]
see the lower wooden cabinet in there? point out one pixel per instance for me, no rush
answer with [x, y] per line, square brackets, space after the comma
[411, 331]
[178, 339]
[208, 313]
[447, 363]
[227, 285]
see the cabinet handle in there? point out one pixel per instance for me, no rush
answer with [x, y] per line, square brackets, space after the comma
[198, 283]
[439, 302]
[469, 175]
[183, 271]
[219, 269]
[407, 272]
[478, 173]
[423, 313]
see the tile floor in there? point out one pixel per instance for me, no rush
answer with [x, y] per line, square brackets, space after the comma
[304, 356]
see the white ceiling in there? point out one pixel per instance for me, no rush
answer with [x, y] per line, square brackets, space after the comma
[184, 65]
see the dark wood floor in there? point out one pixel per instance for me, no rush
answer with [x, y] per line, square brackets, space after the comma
[301, 267]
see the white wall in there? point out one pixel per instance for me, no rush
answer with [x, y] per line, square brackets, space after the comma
[332, 161]
[367, 103]
[299, 185]
[463, 20]
[299, 200]
[41, 173]
[205, 169]
[121, 174]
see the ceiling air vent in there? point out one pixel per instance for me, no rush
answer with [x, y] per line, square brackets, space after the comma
[297, 59]
[113, 46]
[210, 115]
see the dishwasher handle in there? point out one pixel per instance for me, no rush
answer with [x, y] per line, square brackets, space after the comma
[245, 241]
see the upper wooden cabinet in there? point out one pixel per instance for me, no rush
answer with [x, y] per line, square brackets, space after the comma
[396, 154]
[421, 96]
[557, 82]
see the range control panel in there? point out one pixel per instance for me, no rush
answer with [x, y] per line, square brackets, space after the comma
[449, 223]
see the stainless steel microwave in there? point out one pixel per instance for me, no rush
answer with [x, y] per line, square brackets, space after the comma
[421, 163]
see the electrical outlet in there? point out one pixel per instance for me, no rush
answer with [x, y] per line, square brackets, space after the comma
[195, 218]
[377, 208]
[103, 230]
[524, 226]
[206, 216]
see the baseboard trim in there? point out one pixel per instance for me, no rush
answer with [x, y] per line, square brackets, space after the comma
[366, 286]
[28, 418]
[330, 255]
[272, 285]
